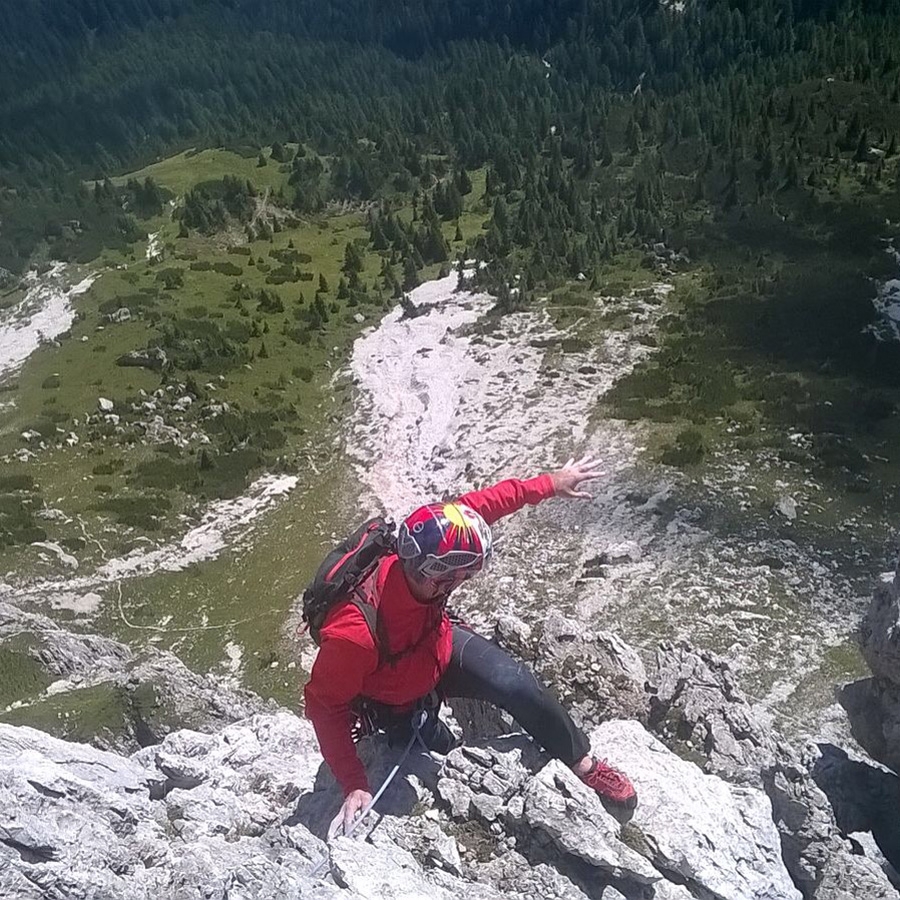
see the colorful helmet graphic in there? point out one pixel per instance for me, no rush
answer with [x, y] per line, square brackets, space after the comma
[444, 543]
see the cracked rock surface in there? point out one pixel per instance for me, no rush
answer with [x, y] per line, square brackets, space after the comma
[734, 814]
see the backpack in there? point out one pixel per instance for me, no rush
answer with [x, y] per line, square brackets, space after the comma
[342, 572]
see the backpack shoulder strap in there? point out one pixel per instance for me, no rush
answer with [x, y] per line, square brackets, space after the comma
[369, 613]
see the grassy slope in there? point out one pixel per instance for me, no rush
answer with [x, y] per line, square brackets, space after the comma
[244, 596]
[68, 477]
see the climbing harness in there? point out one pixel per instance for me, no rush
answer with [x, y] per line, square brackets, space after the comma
[419, 718]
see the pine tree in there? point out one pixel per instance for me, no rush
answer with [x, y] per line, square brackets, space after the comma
[606, 154]
[353, 259]
[634, 137]
[411, 277]
[862, 147]
[461, 273]
[379, 239]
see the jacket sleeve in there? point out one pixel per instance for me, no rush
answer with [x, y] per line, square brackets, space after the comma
[508, 496]
[336, 680]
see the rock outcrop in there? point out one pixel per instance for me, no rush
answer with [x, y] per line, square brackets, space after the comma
[874, 704]
[691, 701]
[726, 812]
[235, 814]
[88, 687]
[153, 358]
[865, 793]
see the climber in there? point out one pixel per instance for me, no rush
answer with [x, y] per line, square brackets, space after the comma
[420, 654]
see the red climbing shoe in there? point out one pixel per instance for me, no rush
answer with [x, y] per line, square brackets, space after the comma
[610, 784]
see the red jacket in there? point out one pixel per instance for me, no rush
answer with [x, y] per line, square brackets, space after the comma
[347, 665]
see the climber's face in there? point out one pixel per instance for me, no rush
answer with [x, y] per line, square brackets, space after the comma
[430, 590]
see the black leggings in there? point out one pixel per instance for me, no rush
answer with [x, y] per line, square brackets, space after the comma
[480, 670]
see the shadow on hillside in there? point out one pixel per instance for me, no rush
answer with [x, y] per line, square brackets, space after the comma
[864, 798]
[812, 316]
[862, 703]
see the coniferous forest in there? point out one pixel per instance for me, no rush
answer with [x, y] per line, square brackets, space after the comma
[761, 138]
[601, 121]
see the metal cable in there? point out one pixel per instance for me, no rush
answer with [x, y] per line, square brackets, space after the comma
[419, 719]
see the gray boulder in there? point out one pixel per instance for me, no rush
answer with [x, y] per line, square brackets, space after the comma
[873, 704]
[698, 707]
[597, 675]
[77, 822]
[865, 798]
[718, 839]
[558, 804]
[880, 631]
[820, 858]
[122, 314]
[153, 358]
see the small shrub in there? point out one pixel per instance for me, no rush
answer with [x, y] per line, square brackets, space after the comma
[228, 268]
[171, 279]
[299, 336]
[237, 331]
[144, 511]
[163, 473]
[18, 482]
[688, 449]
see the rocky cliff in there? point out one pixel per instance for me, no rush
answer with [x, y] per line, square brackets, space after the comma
[727, 809]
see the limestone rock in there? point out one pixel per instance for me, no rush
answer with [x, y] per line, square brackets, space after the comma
[624, 552]
[880, 632]
[599, 675]
[718, 838]
[241, 812]
[560, 805]
[787, 507]
[156, 431]
[153, 358]
[122, 314]
[864, 841]
[105, 405]
[77, 822]
[698, 705]
[864, 797]
[820, 859]
[873, 705]
[373, 873]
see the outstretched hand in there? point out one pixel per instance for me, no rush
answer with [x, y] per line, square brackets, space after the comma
[567, 479]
